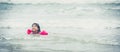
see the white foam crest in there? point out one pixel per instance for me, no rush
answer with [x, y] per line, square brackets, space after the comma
[59, 1]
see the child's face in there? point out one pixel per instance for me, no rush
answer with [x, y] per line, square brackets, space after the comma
[34, 28]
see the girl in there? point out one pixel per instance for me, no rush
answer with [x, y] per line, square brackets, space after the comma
[36, 30]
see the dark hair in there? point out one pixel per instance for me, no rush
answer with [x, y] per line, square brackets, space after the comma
[37, 26]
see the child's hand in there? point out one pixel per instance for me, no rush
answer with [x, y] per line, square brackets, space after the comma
[29, 31]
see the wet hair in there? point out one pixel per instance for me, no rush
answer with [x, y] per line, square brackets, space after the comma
[37, 26]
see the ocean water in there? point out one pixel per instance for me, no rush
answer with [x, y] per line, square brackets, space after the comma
[72, 27]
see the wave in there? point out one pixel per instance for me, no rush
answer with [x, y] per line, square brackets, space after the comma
[7, 3]
[8, 27]
[106, 27]
[56, 39]
[61, 2]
